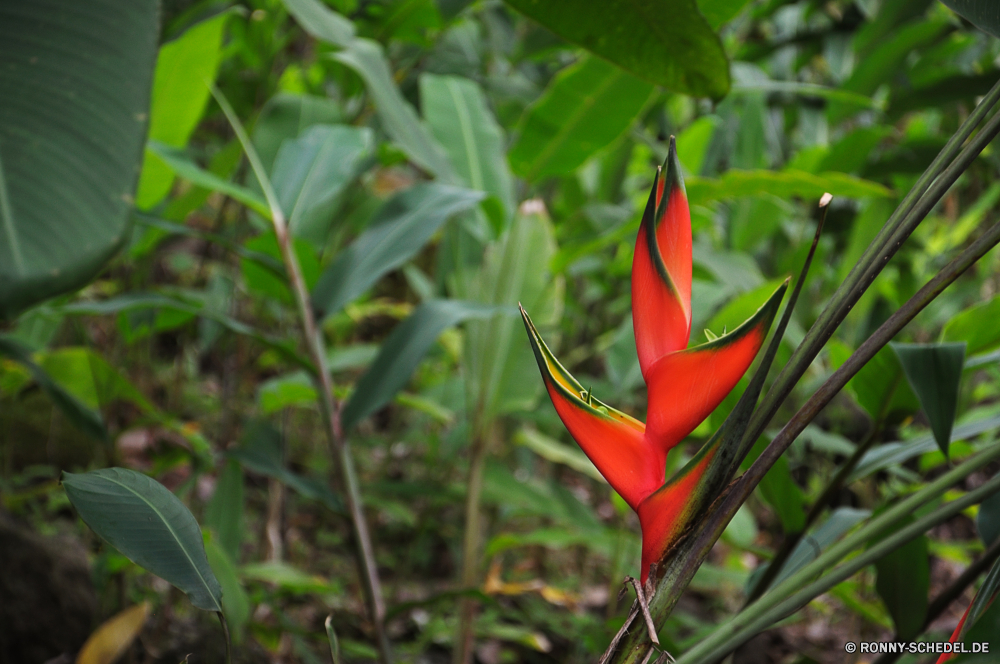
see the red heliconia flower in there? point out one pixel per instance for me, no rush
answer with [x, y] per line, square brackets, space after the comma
[684, 384]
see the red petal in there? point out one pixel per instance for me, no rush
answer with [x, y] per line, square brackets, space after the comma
[661, 269]
[686, 386]
[611, 439]
[664, 514]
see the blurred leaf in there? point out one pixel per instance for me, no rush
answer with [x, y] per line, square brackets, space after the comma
[184, 68]
[288, 578]
[115, 635]
[784, 495]
[988, 519]
[320, 22]
[148, 524]
[693, 142]
[783, 184]
[656, 41]
[312, 170]
[556, 452]
[286, 116]
[80, 74]
[812, 544]
[934, 371]
[976, 326]
[499, 365]
[585, 108]
[294, 389]
[235, 601]
[181, 165]
[87, 418]
[402, 351]
[260, 452]
[903, 582]
[224, 512]
[984, 14]
[263, 281]
[738, 310]
[880, 387]
[720, 12]
[400, 229]
[460, 119]
[983, 618]
[890, 454]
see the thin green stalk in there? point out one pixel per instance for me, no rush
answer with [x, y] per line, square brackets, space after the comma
[786, 599]
[229, 640]
[792, 540]
[339, 447]
[468, 606]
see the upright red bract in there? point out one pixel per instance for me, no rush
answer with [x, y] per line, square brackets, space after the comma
[684, 384]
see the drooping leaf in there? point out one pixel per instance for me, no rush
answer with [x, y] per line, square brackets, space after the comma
[880, 387]
[181, 165]
[184, 67]
[86, 417]
[149, 525]
[115, 635]
[224, 512]
[75, 80]
[402, 351]
[984, 14]
[903, 581]
[312, 170]
[458, 115]
[585, 108]
[654, 41]
[400, 229]
[235, 601]
[934, 372]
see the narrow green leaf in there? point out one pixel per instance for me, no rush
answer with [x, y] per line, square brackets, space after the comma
[460, 119]
[399, 230]
[224, 512]
[149, 525]
[331, 636]
[182, 166]
[783, 184]
[903, 582]
[556, 452]
[402, 351]
[320, 22]
[311, 171]
[934, 372]
[87, 418]
[184, 66]
[983, 620]
[80, 74]
[585, 108]
[653, 40]
[880, 387]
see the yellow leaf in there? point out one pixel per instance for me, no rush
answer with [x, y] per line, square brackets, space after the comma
[113, 638]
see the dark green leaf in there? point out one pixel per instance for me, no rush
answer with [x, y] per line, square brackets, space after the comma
[988, 519]
[585, 108]
[286, 116]
[148, 524]
[224, 512]
[720, 12]
[400, 229]
[903, 582]
[402, 351]
[984, 14]
[312, 170]
[75, 80]
[87, 418]
[934, 372]
[235, 601]
[880, 387]
[656, 41]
